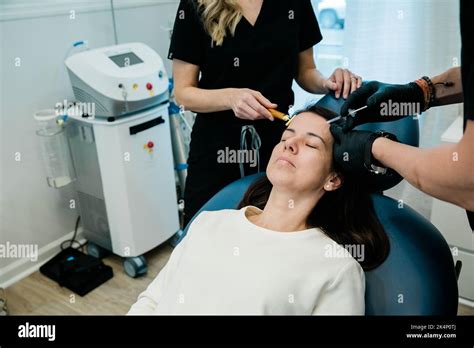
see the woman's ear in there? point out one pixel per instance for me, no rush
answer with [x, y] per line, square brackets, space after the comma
[334, 182]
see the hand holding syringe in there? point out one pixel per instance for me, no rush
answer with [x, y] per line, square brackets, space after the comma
[351, 113]
[287, 119]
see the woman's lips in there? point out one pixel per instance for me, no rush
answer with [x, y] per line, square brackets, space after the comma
[285, 159]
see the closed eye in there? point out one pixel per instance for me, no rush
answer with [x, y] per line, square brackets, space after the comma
[313, 146]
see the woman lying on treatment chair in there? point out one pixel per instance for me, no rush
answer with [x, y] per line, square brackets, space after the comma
[297, 244]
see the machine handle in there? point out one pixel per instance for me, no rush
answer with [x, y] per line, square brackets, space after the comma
[146, 125]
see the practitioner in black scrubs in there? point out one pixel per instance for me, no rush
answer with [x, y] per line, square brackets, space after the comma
[232, 60]
[445, 172]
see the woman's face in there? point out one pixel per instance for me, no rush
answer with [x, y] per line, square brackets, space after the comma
[302, 161]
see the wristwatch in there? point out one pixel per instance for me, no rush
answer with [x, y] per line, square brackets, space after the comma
[372, 165]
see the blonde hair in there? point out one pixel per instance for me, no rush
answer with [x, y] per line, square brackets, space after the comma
[220, 17]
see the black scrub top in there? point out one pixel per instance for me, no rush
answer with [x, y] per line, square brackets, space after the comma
[263, 57]
[467, 67]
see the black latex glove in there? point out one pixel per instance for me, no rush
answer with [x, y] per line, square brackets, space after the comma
[352, 150]
[373, 94]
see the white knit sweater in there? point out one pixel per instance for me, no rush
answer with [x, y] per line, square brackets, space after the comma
[228, 265]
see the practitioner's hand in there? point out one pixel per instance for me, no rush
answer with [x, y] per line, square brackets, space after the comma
[352, 150]
[343, 81]
[248, 104]
[385, 102]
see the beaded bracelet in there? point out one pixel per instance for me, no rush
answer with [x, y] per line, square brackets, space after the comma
[426, 92]
[432, 90]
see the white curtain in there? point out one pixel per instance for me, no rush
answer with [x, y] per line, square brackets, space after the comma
[398, 41]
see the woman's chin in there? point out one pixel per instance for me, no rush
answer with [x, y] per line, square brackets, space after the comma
[281, 177]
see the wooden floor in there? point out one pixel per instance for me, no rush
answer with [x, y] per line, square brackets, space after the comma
[38, 295]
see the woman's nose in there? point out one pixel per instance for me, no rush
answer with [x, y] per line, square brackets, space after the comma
[291, 144]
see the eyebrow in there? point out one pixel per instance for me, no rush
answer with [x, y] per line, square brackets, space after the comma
[307, 133]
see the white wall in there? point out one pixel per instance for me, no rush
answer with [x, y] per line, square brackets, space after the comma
[40, 33]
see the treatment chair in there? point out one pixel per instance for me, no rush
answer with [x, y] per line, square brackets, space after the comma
[419, 276]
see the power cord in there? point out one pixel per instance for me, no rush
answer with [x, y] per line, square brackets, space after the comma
[73, 239]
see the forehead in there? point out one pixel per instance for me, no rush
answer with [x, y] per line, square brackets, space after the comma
[311, 122]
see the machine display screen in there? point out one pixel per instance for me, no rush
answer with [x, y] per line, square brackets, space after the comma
[126, 59]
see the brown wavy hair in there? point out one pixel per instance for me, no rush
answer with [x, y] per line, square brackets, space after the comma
[345, 215]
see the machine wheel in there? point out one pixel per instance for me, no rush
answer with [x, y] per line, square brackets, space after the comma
[328, 19]
[96, 250]
[135, 266]
[176, 238]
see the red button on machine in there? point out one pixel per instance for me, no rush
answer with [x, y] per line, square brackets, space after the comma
[149, 86]
[150, 144]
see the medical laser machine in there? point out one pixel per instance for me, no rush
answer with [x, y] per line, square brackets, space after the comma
[122, 151]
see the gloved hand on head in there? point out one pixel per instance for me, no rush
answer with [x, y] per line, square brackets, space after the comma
[352, 150]
[374, 94]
